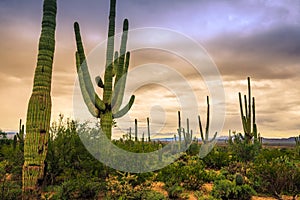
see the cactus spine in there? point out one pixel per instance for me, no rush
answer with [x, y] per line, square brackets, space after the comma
[116, 67]
[248, 119]
[205, 138]
[39, 107]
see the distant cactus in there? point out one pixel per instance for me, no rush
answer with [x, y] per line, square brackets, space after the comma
[20, 135]
[148, 129]
[107, 108]
[205, 138]
[160, 152]
[187, 133]
[248, 119]
[135, 130]
[39, 108]
[297, 140]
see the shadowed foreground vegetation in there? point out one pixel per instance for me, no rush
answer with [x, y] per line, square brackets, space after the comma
[236, 171]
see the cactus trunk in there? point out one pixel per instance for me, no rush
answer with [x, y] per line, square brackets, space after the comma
[39, 108]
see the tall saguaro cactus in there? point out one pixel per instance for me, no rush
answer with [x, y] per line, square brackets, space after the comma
[39, 107]
[205, 138]
[248, 118]
[116, 68]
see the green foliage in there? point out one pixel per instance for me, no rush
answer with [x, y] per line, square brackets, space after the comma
[239, 179]
[226, 189]
[9, 187]
[219, 157]
[279, 176]
[67, 157]
[78, 188]
[128, 186]
[188, 172]
[242, 150]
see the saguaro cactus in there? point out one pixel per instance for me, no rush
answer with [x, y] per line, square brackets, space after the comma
[148, 129]
[135, 130]
[107, 108]
[39, 107]
[20, 135]
[205, 138]
[248, 119]
[187, 133]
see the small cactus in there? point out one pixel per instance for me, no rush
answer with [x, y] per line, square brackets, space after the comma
[205, 139]
[297, 140]
[187, 134]
[148, 129]
[239, 179]
[135, 130]
[248, 118]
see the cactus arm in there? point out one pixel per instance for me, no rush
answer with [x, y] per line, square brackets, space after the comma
[87, 100]
[249, 97]
[82, 68]
[124, 110]
[215, 135]
[116, 63]
[120, 85]
[207, 120]
[120, 66]
[201, 130]
[242, 113]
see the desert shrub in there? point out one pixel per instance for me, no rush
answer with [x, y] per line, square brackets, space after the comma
[188, 172]
[243, 151]
[127, 186]
[78, 188]
[239, 179]
[279, 176]
[226, 189]
[217, 158]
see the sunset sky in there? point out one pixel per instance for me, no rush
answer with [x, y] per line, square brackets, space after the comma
[255, 38]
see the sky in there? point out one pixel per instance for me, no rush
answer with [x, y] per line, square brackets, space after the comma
[256, 38]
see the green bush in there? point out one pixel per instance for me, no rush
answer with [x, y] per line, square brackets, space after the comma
[219, 157]
[188, 172]
[78, 188]
[226, 190]
[279, 176]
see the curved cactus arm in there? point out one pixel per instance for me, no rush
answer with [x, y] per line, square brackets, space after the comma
[215, 135]
[200, 127]
[124, 110]
[120, 84]
[83, 74]
[86, 97]
[242, 112]
[120, 67]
